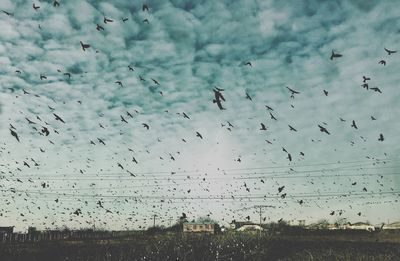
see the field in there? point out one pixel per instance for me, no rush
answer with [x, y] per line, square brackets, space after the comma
[311, 246]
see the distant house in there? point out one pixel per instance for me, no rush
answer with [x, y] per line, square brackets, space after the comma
[250, 228]
[6, 230]
[360, 226]
[196, 227]
[391, 226]
[238, 224]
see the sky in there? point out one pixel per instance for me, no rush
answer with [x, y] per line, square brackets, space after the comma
[158, 67]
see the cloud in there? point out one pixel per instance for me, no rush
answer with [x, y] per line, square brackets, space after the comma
[189, 48]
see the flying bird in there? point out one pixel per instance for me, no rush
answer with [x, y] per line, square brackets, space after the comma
[335, 55]
[145, 8]
[68, 74]
[124, 19]
[291, 128]
[293, 92]
[36, 7]
[84, 46]
[7, 13]
[365, 79]
[99, 27]
[376, 89]
[119, 83]
[248, 96]
[353, 124]
[145, 125]
[13, 133]
[263, 126]
[107, 20]
[123, 119]
[155, 81]
[218, 97]
[326, 92]
[101, 141]
[383, 62]
[323, 129]
[199, 135]
[389, 51]
[272, 116]
[58, 118]
[56, 3]
[381, 137]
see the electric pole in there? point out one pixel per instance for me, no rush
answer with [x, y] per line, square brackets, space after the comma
[154, 220]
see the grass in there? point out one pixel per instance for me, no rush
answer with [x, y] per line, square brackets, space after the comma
[230, 246]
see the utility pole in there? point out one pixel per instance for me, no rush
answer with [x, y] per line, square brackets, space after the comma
[260, 207]
[154, 220]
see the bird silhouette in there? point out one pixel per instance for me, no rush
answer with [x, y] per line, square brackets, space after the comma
[13, 133]
[263, 126]
[119, 83]
[134, 160]
[389, 52]
[291, 128]
[124, 19]
[323, 129]
[145, 125]
[99, 27]
[145, 8]
[353, 124]
[101, 141]
[376, 89]
[335, 55]
[218, 97]
[7, 13]
[383, 62]
[381, 137]
[58, 118]
[365, 85]
[199, 135]
[293, 92]
[248, 96]
[68, 74]
[365, 79]
[36, 7]
[84, 46]
[107, 20]
[43, 77]
[56, 3]
[123, 119]
[155, 81]
[326, 92]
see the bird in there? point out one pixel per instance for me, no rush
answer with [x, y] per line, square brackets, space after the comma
[145, 125]
[373, 118]
[134, 160]
[376, 89]
[99, 27]
[45, 131]
[365, 189]
[269, 108]
[248, 63]
[323, 129]
[185, 116]
[119, 83]
[155, 81]
[291, 128]
[365, 85]
[58, 118]
[145, 8]
[124, 19]
[101, 141]
[129, 114]
[272, 116]
[130, 68]
[68, 74]
[218, 97]
[107, 20]
[43, 77]
[119, 165]
[293, 92]
[248, 96]
[383, 62]
[123, 119]
[13, 133]
[56, 3]
[289, 157]
[353, 124]
[263, 126]
[84, 46]
[36, 7]
[335, 55]
[365, 79]
[381, 137]
[280, 189]
[7, 13]
[389, 51]
[354, 183]
[199, 135]
[326, 92]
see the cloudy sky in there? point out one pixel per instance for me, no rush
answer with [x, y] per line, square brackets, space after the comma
[168, 58]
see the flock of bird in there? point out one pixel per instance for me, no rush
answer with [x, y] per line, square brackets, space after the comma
[165, 188]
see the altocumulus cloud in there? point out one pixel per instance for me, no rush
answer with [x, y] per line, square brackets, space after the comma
[186, 49]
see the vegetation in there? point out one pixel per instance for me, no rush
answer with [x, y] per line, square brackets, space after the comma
[228, 246]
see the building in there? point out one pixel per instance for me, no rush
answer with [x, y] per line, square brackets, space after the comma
[238, 224]
[360, 226]
[196, 227]
[6, 230]
[249, 228]
[392, 226]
